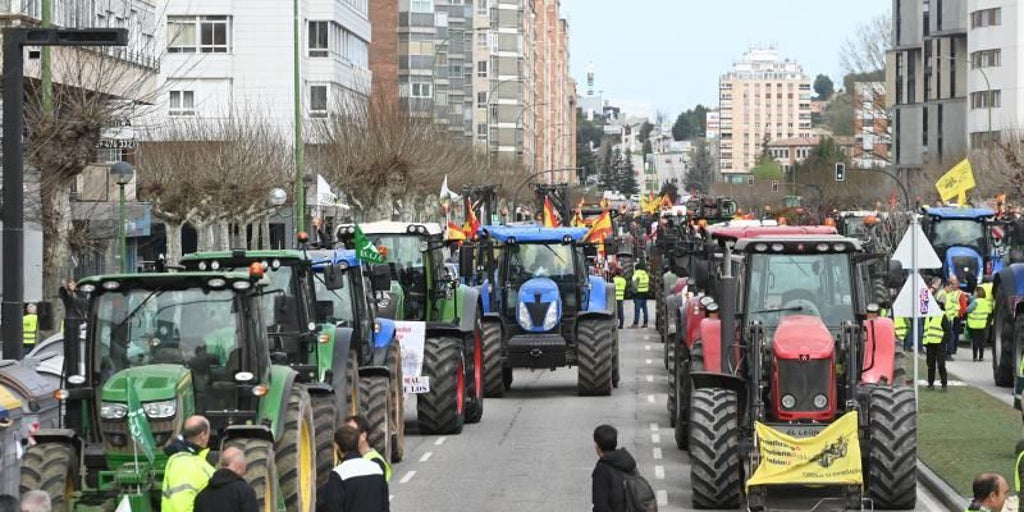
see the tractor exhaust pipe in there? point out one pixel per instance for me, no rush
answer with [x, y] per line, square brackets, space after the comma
[728, 305]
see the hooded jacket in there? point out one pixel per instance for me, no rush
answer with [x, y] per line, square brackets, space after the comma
[226, 492]
[609, 495]
[356, 485]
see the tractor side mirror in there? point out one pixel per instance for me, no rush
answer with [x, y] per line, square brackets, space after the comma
[380, 277]
[324, 311]
[466, 263]
[284, 309]
[334, 277]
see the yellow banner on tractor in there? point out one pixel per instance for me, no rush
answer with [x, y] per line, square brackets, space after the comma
[956, 182]
[830, 458]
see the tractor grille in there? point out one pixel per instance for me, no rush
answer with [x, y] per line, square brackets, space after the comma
[804, 380]
[962, 262]
[116, 437]
[537, 311]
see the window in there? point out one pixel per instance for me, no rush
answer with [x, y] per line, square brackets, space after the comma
[483, 7]
[214, 34]
[985, 99]
[481, 131]
[483, 38]
[421, 90]
[481, 69]
[421, 6]
[986, 58]
[318, 101]
[987, 18]
[481, 100]
[319, 39]
[182, 103]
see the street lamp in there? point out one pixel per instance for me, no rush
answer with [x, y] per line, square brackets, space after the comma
[122, 172]
[275, 199]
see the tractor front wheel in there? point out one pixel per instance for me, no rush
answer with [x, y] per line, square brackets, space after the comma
[325, 419]
[260, 470]
[494, 386]
[594, 347]
[714, 449]
[375, 402]
[397, 403]
[442, 409]
[294, 453]
[52, 468]
[892, 448]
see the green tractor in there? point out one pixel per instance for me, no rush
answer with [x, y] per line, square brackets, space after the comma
[448, 380]
[186, 343]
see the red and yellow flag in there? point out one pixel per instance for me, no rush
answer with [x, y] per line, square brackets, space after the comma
[472, 223]
[666, 201]
[600, 229]
[550, 218]
[454, 232]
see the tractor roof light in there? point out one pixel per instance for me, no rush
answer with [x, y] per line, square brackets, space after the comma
[87, 288]
[778, 247]
[567, 239]
[511, 240]
[202, 265]
[822, 247]
[111, 285]
[256, 271]
[214, 265]
[302, 237]
[275, 264]
[839, 247]
[760, 247]
[411, 228]
[216, 282]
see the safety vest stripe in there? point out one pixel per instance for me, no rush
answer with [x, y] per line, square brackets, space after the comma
[175, 490]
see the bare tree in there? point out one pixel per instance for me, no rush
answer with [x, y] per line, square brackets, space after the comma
[865, 50]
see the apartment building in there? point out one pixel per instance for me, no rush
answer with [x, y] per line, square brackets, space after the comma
[995, 36]
[870, 125]
[764, 97]
[789, 152]
[927, 78]
[555, 110]
[713, 124]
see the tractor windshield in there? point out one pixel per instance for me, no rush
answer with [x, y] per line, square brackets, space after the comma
[141, 327]
[947, 233]
[800, 284]
[553, 261]
[340, 298]
[853, 226]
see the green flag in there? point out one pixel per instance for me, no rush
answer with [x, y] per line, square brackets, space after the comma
[365, 250]
[138, 423]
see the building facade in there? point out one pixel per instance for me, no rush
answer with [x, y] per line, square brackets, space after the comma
[764, 97]
[555, 110]
[995, 38]
[927, 79]
[870, 126]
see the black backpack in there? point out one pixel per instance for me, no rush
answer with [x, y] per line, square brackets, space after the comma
[639, 493]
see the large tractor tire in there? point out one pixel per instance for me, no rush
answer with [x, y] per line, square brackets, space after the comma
[375, 397]
[442, 409]
[594, 346]
[351, 405]
[899, 369]
[616, 365]
[397, 391]
[892, 448]
[670, 357]
[714, 449]
[493, 385]
[474, 378]
[295, 452]
[52, 468]
[260, 470]
[1005, 332]
[325, 422]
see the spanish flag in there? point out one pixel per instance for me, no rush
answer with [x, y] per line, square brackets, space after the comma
[600, 229]
[472, 223]
[550, 219]
[454, 232]
[666, 201]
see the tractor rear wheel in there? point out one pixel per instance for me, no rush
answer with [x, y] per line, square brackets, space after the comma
[295, 452]
[594, 346]
[260, 470]
[397, 403]
[52, 468]
[325, 419]
[351, 405]
[375, 397]
[474, 376]
[714, 449]
[493, 385]
[892, 448]
[670, 356]
[1004, 332]
[441, 410]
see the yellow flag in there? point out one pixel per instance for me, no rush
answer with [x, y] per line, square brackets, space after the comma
[830, 458]
[956, 182]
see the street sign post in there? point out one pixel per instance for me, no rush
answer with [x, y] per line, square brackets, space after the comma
[915, 250]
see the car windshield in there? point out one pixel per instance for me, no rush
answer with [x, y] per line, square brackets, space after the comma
[802, 284]
[340, 298]
[140, 327]
[527, 261]
[950, 232]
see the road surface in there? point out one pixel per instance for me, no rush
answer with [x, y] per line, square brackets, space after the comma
[534, 452]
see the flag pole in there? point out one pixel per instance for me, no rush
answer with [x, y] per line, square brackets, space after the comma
[135, 444]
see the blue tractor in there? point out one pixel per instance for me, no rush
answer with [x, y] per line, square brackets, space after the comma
[962, 239]
[541, 309]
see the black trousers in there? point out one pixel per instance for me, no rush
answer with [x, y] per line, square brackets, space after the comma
[936, 356]
[978, 343]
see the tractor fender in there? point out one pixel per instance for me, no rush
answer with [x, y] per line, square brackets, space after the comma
[692, 314]
[59, 435]
[375, 371]
[342, 351]
[469, 302]
[263, 432]
[319, 388]
[485, 296]
[733, 383]
[273, 405]
[441, 329]
[879, 351]
[1010, 282]
[597, 291]
[382, 337]
[710, 334]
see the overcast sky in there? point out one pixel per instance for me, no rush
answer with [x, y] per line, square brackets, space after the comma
[668, 54]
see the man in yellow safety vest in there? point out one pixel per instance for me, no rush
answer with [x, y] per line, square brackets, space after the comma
[978, 313]
[642, 282]
[620, 295]
[187, 471]
[932, 341]
[30, 327]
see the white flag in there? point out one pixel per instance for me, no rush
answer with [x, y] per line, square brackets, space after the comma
[124, 505]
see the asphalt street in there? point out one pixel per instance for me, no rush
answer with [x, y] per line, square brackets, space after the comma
[533, 451]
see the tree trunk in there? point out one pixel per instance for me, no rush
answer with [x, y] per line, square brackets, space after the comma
[57, 226]
[204, 236]
[173, 233]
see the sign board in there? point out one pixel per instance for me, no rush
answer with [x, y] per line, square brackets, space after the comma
[915, 295]
[412, 336]
[926, 257]
[831, 457]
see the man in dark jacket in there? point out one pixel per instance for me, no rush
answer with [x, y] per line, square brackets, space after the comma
[609, 495]
[357, 484]
[227, 490]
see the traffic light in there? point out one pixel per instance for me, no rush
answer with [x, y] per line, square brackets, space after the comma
[840, 171]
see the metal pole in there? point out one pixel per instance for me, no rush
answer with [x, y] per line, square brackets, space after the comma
[300, 169]
[45, 62]
[122, 232]
[913, 279]
[13, 195]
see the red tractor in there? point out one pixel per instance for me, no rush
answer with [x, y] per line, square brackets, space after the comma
[787, 335]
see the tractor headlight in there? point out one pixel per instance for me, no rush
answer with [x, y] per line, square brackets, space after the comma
[160, 410]
[820, 401]
[788, 401]
[524, 316]
[551, 318]
[113, 410]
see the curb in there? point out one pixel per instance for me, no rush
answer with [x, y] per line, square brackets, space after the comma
[945, 494]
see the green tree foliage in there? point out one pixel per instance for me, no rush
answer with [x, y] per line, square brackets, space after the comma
[767, 169]
[617, 171]
[838, 114]
[823, 87]
[589, 136]
[701, 174]
[690, 124]
[645, 131]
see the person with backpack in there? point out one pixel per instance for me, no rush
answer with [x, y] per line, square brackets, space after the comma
[617, 485]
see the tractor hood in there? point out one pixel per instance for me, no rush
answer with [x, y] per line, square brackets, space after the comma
[536, 298]
[802, 337]
[153, 383]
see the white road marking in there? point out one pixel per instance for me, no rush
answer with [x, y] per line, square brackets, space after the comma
[647, 337]
[650, 398]
[659, 472]
[647, 361]
[650, 378]
[440, 440]
[662, 498]
[426, 456]
[647, 347]
[654, 427]
[656, 438]
[408, 476]
[657, 453]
